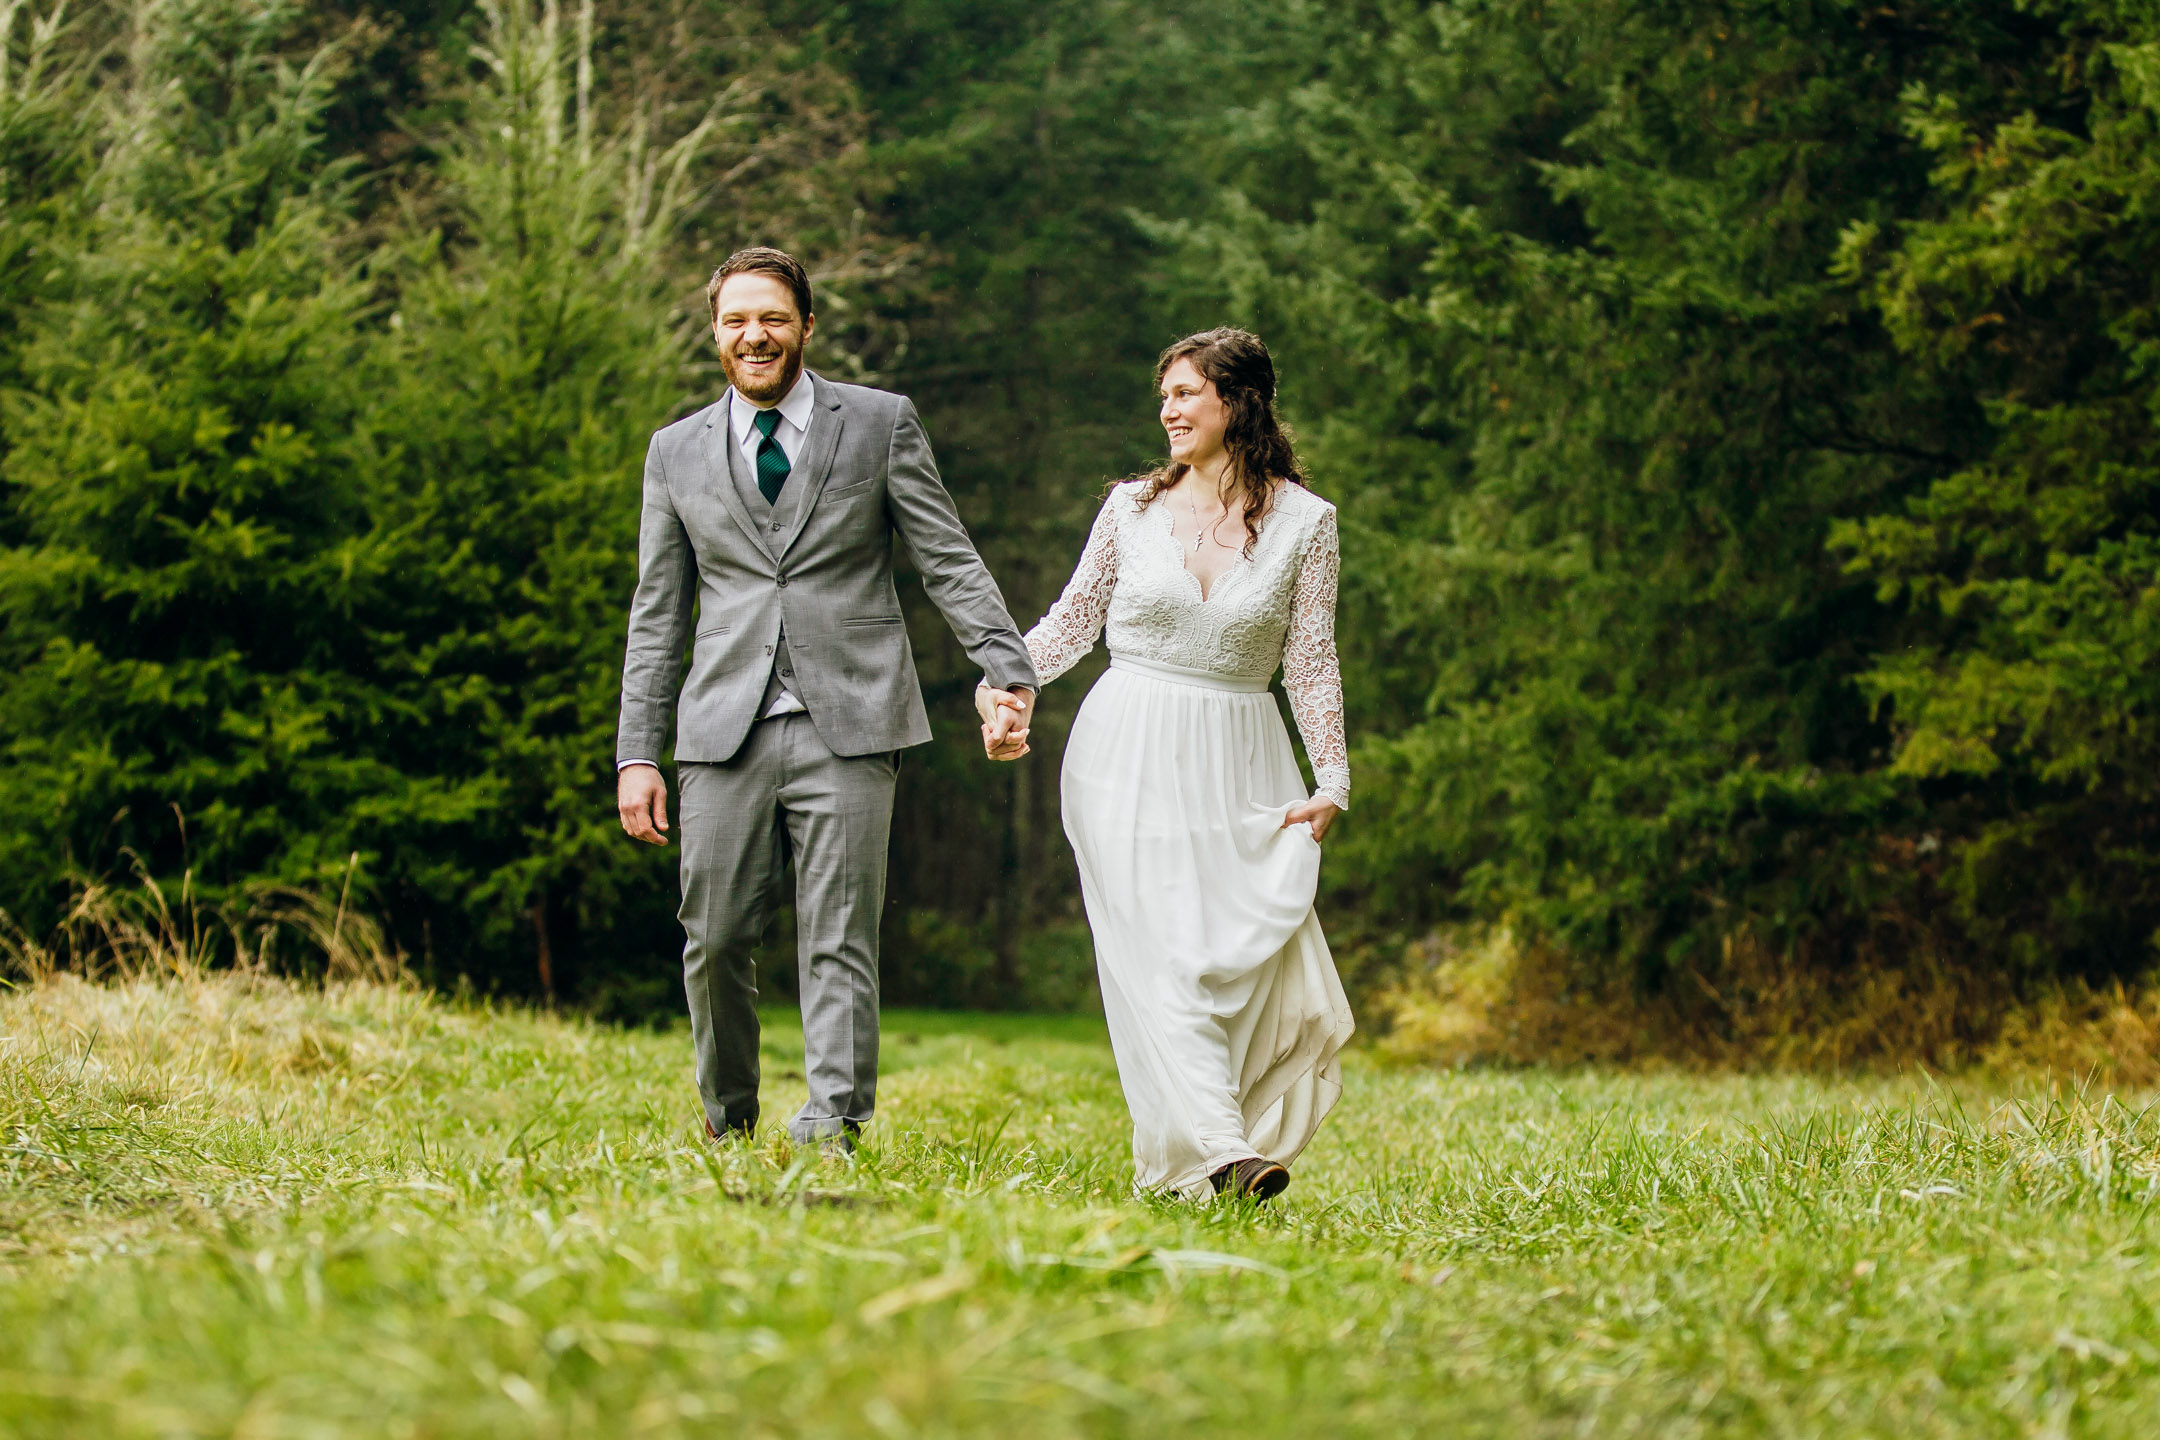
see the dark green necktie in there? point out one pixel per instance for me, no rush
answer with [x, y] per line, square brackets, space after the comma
[772, 466]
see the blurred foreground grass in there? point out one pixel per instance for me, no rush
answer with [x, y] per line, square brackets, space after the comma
[236, 1208]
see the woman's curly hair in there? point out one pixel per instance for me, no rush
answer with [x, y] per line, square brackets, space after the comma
[1259, 444]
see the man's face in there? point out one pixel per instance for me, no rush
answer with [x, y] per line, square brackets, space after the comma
[761, 336]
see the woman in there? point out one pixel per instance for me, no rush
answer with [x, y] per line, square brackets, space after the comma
[1199, 849]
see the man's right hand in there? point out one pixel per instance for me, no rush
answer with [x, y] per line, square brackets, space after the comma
[641, 800]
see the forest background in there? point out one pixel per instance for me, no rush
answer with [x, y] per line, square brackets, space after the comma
[1742, 417]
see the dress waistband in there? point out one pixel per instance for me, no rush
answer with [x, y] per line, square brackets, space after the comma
[1180, 675]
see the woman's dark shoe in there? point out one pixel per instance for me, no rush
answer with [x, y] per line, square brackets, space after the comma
[1255, 1178]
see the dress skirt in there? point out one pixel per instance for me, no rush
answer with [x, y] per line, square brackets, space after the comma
[1225, 1011]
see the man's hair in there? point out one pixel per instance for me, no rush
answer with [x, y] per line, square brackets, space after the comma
[760, 260]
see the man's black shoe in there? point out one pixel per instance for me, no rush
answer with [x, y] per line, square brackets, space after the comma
[737, 1129]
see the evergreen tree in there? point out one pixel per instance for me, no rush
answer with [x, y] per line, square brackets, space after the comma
[2027, 693]
[535, 347]
[1742, 417]
[321, 525]
[189, 535]
[45, 151]
[1557, 301]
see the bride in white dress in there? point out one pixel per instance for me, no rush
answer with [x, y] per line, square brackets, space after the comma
[1198, 847]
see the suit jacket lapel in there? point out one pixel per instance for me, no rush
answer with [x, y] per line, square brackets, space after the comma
[815, 465]
[728, 465]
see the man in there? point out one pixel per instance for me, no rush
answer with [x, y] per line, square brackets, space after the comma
[772, 513]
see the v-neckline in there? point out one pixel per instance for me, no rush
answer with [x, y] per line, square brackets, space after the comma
[1206, 592]
[1209, 592]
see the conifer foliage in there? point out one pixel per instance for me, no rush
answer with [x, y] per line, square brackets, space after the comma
[2029, 690]
[187, 482]
[1742, 414]
[1744, 419]
[319, 538]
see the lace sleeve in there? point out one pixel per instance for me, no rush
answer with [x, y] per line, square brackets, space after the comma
[1071, 627]
[1312, 677]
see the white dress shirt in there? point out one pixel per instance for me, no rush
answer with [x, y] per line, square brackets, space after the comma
[796, 407]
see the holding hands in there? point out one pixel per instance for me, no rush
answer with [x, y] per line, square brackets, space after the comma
[1006, 716]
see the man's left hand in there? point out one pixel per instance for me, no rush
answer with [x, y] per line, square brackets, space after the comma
[1006, 716]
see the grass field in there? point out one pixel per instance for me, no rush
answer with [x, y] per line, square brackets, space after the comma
[248, 1210]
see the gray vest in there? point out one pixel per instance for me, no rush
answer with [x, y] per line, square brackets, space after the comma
[775, 517]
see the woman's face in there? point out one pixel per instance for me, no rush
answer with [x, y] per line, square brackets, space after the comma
[1193, 415]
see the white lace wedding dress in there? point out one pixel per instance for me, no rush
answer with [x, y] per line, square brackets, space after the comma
[1225, 1011]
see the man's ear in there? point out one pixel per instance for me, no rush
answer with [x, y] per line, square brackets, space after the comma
[809, 323]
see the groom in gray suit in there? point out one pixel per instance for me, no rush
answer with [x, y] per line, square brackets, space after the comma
[771, 516]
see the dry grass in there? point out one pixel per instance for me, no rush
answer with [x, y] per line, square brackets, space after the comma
[129, 929]
[169, 1086]
[1476, 996]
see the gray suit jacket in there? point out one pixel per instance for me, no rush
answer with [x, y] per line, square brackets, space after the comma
[821, 569]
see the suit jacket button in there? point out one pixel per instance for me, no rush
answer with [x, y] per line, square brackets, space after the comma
[776, 529]
[783, 582]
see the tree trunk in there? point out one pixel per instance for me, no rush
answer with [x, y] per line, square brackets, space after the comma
[546, 951]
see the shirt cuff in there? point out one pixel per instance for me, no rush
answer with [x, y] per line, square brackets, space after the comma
[626, 764]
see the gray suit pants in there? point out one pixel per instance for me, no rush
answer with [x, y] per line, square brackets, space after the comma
[784, 790]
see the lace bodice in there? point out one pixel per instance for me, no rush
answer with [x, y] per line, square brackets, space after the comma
[1275, 608]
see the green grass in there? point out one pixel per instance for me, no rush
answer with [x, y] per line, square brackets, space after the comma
[264, 1212]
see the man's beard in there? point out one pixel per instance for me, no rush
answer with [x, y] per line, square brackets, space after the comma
[790, 369]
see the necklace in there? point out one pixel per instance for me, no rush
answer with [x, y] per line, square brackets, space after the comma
[1194, 511]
